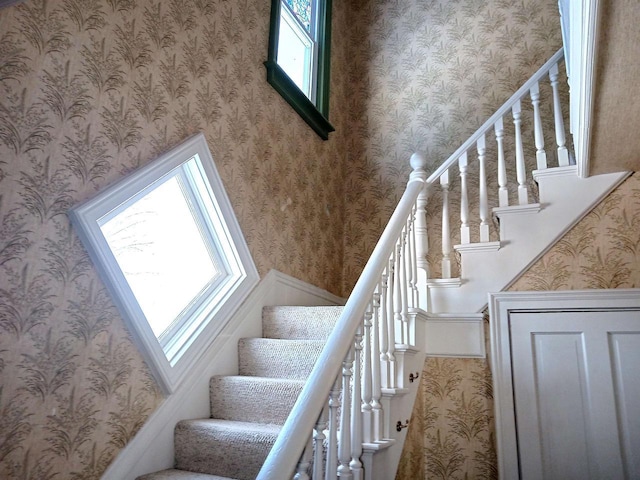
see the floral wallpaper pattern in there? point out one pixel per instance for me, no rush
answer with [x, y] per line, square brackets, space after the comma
[90, 90]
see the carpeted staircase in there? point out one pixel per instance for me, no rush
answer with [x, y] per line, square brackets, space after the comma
[248, 410]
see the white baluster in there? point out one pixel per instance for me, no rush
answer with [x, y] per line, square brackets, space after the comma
[503, 192]
[318, 445]
[563, 154]
[484, 201]
[331, 472]
[304, 463]
[367, 376]
[356, 407]
[541, 155]
[422, 249]
[446, 234]
[404, 285]
[344, 444]
[391, 324]
[397, 300]
[414, 262]
[376, 355]
[384, 330]
[410, 262]
[465, 235]
[523, 196]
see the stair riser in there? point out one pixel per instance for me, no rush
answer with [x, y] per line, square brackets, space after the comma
[277, 358]
[221, 451]
[253, 399]
[295, 323]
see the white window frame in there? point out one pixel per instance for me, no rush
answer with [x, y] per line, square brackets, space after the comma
[173, 355]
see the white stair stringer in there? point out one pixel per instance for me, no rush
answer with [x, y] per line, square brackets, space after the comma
[524, 237]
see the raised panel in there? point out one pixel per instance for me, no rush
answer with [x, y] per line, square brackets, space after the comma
[625, 360]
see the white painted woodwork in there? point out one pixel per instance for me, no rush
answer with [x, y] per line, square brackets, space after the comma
[319, 438]
[344, 429]
[580, 25]
[541, 155]
[521, 173]
[567, 392]
[455, 335]
[331, 470]
[446, 234]
[527, 238]
[404, 284]
[355, 465]
[563, 153]
[484, 201]
[304, 463]
[384, 331]
[422, 248]
[376, 374]
[152, 448]
[465, 234]
[500, 113]
[503, 192]
[391, 326]
[367, 376]
[415, 302]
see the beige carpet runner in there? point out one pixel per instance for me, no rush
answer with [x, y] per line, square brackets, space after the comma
[248, 410]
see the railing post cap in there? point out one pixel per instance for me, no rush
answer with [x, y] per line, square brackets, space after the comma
[418, 162]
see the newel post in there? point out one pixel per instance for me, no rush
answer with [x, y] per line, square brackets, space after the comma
[419, 164]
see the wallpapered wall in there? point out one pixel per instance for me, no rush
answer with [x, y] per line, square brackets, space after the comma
[90, 90]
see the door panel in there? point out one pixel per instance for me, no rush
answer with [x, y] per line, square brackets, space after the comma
[625, 353]
[576, 393]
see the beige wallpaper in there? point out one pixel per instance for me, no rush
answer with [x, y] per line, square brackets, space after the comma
[90, 90]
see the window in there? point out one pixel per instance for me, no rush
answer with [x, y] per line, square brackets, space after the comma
[298, 63]
[170, 250]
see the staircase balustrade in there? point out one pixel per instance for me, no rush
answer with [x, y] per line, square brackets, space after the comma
[339, 412]
[359, 360]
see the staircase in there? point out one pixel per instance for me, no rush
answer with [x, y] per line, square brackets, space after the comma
[328, 389]
[248, 410]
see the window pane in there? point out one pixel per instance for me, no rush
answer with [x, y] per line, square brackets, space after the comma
[302, 10]
[295, 52]
[161, 252]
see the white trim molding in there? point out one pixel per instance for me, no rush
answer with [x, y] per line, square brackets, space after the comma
[500, 307]
[455, 335]
[152, 448]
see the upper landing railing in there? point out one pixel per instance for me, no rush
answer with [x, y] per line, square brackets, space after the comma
[339, 412]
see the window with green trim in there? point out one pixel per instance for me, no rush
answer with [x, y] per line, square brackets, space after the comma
[298, 63]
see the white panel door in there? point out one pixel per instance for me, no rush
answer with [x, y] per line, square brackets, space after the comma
[576, 386]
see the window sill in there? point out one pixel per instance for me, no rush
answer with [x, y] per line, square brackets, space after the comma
[298, 100]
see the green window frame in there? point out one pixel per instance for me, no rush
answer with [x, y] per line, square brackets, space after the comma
[314, 109]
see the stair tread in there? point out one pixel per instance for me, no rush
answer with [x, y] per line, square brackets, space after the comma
[175, 474]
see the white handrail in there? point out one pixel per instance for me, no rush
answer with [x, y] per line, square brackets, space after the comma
[486, 126]
[281, 461]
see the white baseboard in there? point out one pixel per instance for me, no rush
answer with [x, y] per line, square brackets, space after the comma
[152, 448]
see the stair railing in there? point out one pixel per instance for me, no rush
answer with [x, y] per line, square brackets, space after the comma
[340, 406]
[476, 146]
[339, 412]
